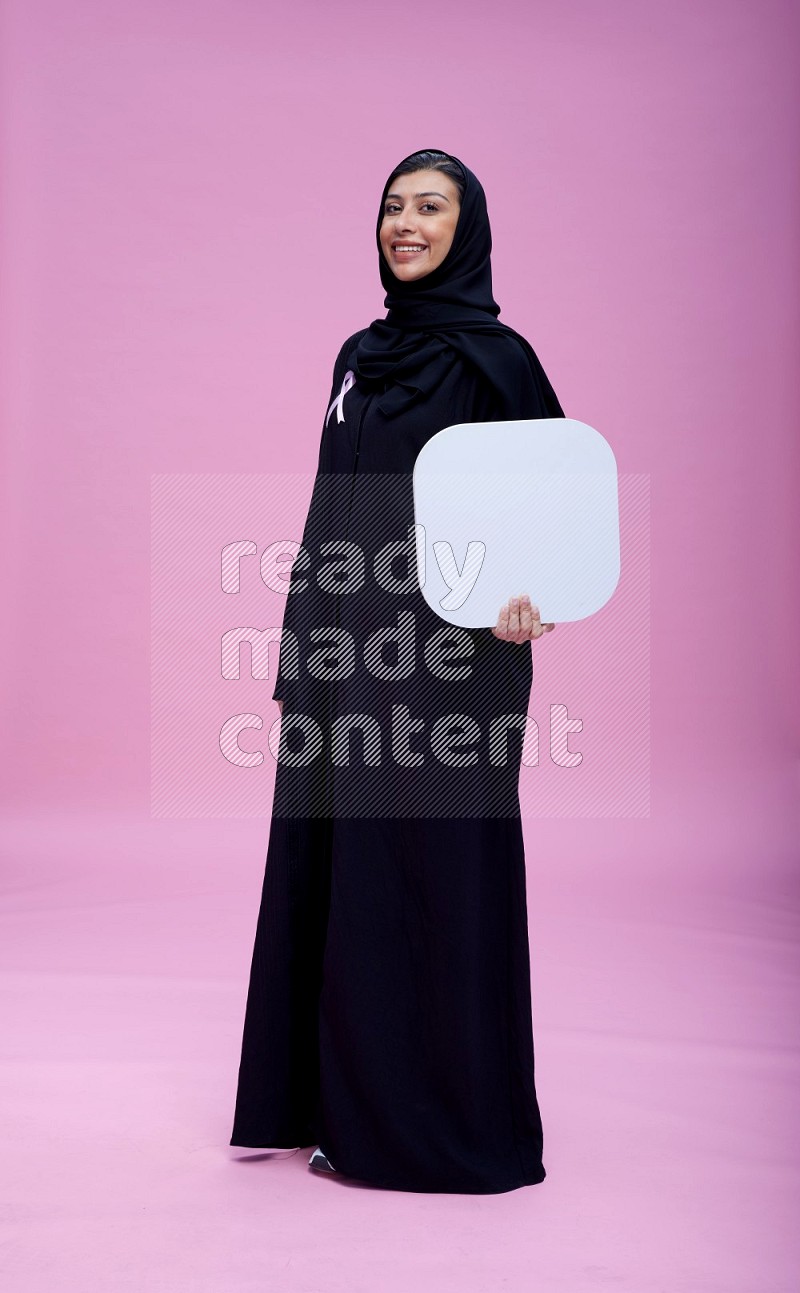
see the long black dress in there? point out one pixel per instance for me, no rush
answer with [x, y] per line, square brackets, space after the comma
[388, 1014]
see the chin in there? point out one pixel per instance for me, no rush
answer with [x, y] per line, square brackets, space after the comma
[406, 277]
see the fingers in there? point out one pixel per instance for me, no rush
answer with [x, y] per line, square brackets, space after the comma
[501, 628]
[537, 627]
[519, 620]
[518, 614]
[526, 616]
[513, 618]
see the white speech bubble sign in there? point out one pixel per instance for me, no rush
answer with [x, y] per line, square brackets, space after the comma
[528, 506]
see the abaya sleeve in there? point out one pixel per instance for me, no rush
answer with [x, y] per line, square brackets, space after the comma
[521, 385]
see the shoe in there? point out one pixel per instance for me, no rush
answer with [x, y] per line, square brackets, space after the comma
[320, 1162]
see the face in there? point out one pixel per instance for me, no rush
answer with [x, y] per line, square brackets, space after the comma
[420, 214]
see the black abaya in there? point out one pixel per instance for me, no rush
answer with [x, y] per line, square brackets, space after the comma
[388, 1014]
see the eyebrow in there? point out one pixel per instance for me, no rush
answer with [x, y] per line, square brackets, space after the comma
[417, 195]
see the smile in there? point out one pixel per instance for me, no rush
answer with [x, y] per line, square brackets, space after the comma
[399, 248]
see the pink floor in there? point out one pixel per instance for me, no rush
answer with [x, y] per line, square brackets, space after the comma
[667, 1069]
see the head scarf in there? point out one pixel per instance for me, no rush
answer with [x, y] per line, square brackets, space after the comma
[447, 316]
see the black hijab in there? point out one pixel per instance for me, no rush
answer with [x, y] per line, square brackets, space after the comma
[447, 316]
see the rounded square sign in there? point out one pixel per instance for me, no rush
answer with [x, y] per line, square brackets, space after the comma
[502, 508]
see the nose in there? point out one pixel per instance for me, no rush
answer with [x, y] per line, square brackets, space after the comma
[403, 223]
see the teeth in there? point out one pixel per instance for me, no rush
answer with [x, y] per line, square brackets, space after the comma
[410, 247]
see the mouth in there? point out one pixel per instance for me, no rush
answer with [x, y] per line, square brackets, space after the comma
[408, 250]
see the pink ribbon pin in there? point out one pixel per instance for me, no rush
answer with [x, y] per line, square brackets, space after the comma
[349, 380]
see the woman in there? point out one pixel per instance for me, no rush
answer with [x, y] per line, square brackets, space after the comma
[388, 1016]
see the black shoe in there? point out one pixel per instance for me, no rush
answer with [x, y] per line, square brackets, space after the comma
[320, 1162]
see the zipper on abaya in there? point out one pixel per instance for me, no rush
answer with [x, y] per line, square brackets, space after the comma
[354, 469]
[332, 696]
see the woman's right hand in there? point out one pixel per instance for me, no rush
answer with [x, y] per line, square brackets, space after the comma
[518, 621]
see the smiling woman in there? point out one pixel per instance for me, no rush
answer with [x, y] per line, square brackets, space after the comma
[420, 216]
[388, 1016]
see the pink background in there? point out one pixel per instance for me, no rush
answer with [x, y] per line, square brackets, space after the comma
[189, 196]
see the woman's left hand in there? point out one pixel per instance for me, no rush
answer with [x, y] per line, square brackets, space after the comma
[518, 621]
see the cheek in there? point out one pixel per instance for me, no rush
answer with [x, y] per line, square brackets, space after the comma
[446, 243]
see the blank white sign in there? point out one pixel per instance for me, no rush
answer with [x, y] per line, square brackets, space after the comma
[503, 508]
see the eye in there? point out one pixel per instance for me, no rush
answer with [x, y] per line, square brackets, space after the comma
[394, 206]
